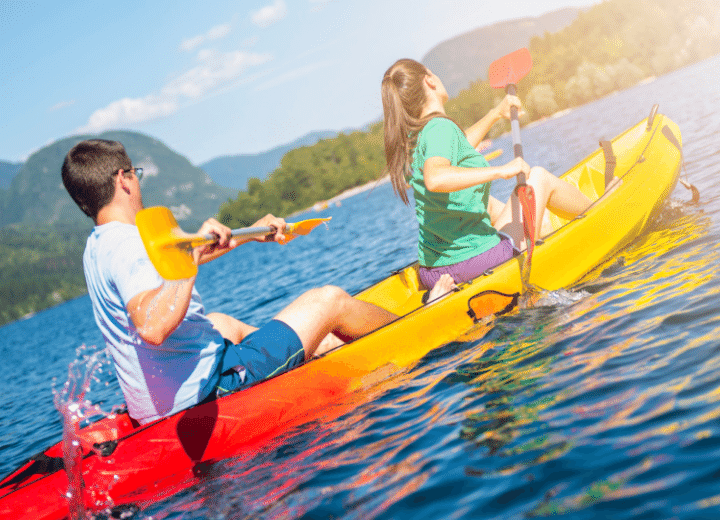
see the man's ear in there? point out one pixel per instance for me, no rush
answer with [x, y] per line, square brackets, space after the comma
[122, 182]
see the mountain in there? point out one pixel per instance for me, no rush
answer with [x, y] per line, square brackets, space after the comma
[7, 172]
[234, 171]
[458, 61]
[466, 58]
[37, 195]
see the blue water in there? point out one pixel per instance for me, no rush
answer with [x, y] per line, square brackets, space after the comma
[604, 402]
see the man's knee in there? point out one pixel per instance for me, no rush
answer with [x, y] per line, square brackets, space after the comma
[329, 294]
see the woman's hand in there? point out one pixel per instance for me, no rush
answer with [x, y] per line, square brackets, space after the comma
[503, 108]
[515, 167]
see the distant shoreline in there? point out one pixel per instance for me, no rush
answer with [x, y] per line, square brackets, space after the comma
[323, 204]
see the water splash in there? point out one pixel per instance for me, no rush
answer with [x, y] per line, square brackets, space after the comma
[76, 411]
[560, 298]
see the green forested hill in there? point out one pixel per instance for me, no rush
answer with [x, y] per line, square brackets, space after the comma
[310, 174]
[7, 172]
[608, 47]
[466, 57]
[170, 180]
[234, 171]
[40, 266]
[42, 231]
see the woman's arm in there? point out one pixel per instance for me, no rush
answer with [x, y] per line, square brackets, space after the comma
[477, 132]
[495, 207]
[440, 176]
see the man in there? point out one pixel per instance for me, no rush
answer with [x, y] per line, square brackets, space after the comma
[168, 354]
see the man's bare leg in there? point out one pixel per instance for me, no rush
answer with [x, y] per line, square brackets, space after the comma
[329, 309]
[230, 328]
[443, 286]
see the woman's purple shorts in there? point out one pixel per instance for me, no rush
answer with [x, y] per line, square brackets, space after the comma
[470, 268]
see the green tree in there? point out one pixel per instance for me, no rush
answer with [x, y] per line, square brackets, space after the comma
[540, 101]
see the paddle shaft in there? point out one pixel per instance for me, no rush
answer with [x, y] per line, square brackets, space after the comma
[240, 232]
[515, 127]
[525, 193]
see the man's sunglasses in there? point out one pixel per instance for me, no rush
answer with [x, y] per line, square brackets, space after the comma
[137, 171]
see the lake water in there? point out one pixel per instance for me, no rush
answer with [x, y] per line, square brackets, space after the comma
[602, 403]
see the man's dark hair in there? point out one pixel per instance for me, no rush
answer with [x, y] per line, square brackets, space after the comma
[88, 173]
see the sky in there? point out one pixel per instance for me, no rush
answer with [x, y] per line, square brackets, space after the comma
[215, 77]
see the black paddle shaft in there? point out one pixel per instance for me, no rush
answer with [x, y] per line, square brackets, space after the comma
[515, 126]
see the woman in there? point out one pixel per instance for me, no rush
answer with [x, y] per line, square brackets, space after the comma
[463, 230]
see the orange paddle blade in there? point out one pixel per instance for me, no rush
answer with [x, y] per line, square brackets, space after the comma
[527, 201]
[302, 228]
[510, 69]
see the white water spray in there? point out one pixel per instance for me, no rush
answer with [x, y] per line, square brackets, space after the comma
[75, 409]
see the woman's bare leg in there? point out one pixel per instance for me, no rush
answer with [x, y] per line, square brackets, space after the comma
[443, 286]
[551, 192]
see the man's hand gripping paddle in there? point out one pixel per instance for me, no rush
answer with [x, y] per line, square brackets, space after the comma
[170, 248]
[506, 73]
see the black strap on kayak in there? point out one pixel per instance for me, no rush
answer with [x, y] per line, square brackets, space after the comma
[610, 162]
[671, 137]
[487, 303]
[40, 464]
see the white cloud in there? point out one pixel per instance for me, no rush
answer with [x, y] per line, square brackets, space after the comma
[60, 105]
[191, 43]
[127, 111]
[217, 32]
[269, 14]
[319, 5]
[293, 75]
[215, 72]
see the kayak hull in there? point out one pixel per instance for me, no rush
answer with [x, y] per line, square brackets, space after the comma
[123, 465]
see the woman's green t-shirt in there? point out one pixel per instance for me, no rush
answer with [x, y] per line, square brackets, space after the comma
[453, 226]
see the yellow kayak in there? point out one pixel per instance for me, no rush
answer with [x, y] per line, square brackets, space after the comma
[647, 163]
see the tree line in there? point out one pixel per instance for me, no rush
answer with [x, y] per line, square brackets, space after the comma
[609, 47]
[39, 267]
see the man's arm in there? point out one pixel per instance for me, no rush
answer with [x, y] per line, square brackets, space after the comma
[227, 243]
[158, 312]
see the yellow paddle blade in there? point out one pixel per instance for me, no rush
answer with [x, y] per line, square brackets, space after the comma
[168, 246]
[494, 154]
[302, 228]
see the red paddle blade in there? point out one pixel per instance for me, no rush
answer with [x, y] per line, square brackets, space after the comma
[527, 202]
[510, 69]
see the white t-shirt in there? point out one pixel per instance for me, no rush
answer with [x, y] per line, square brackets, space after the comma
[156, 380]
